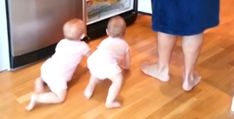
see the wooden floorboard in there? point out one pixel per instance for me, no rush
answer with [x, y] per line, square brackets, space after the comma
[142, 97]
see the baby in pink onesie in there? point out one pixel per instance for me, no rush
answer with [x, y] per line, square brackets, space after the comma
[59, 69]
[106, 61]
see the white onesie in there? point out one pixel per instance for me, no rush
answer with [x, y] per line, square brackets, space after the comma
[58, 70]
[104, 61]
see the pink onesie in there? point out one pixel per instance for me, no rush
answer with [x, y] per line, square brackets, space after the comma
[58, 69]
[104, 61]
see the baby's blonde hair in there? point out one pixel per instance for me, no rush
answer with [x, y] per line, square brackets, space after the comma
[116, 27]
[74, 29]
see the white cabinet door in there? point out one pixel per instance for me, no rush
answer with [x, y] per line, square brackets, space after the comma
[4, 50]
[144, 6]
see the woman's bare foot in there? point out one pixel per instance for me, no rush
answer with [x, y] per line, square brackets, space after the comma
[153, 71]
[191, 82]
[32, 102]
[115, 104]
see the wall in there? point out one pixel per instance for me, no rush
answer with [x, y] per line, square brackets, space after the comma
[4, 47]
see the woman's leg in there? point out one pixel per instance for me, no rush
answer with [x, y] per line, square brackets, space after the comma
[191, 47]
[166, 43]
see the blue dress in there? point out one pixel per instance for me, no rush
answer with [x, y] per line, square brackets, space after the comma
[184, 17]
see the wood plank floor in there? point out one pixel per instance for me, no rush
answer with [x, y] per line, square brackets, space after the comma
[142, 96]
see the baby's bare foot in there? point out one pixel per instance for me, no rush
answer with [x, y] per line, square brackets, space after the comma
[232, 106]
[32, 103]
[190, 83]
[88, 94]
[115, 104]
[153, 71]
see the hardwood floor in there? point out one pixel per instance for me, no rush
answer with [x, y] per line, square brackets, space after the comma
[141, 96]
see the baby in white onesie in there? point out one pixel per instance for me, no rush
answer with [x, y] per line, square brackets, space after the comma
[59, 69]
[232, 104]
[106, 61]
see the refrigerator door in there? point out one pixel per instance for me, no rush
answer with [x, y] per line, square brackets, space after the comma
[145, 6]
[100, 11]
[103, 9]
[36, 24]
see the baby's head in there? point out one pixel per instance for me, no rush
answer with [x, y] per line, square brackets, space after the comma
[74, 29]
[116, 27]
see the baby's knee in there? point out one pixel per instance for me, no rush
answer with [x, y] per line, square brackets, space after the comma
[60, 99]
[117, 78]
[61, 95]
[117, 83]
[38, 81]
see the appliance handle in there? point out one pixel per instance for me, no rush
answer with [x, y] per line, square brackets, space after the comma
[84, 11]
[85, 17]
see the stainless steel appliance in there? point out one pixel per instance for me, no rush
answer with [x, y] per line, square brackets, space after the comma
[35, 26]
[99, 11]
